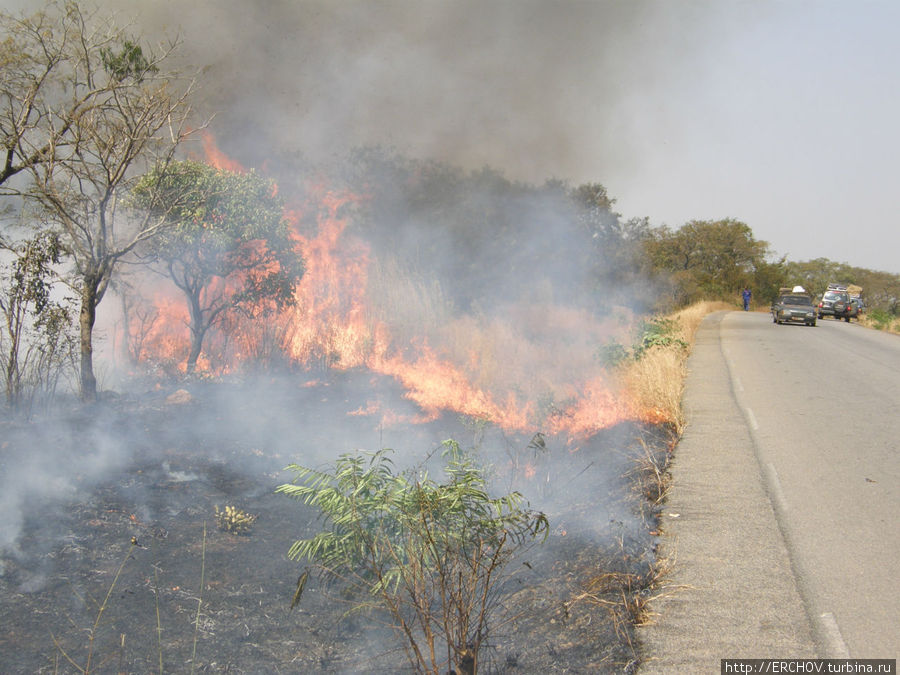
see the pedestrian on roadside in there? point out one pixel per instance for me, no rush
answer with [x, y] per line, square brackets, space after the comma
[746, 295]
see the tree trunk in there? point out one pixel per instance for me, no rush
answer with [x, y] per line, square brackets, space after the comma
[12, 378]
[467, 663]
[86, 324]
[198, 330]
[196, 344]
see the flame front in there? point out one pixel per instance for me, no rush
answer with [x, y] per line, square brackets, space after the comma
[484, 370]
[328, 321]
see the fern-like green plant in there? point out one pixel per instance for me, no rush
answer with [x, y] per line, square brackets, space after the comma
[432, 554]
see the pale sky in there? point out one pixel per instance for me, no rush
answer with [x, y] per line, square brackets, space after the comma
[782, 114]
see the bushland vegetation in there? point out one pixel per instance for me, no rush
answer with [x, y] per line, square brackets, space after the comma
[92, 125]
[431, 226]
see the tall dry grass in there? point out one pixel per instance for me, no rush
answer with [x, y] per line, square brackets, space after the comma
[655, 382]
[880, 322]
[537, 351]
[541, 351]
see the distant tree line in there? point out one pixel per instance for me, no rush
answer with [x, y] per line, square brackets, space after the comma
[489, 239]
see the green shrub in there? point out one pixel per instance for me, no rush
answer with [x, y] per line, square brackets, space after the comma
[612, 354]
[657, 332]
[432, 555]
[881, 318]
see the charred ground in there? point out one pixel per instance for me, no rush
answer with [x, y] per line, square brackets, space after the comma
[129, 488]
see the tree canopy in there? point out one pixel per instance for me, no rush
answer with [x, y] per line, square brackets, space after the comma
[708, 259]
[84, 110]
[228, 246]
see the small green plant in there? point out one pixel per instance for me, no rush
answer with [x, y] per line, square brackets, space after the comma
[234, 520]
[657, 332]
[612, 354]
[129, 62]
[432, 555]
[881, 318]
[651, 333]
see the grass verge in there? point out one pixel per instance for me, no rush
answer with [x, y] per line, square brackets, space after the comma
[655, 380]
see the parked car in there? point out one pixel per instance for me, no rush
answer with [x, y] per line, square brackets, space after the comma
[796, 307]
[835, 303]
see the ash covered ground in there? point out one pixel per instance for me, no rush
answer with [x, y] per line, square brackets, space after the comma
[80, 486]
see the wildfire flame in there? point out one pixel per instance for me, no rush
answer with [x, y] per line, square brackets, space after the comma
[332, 325]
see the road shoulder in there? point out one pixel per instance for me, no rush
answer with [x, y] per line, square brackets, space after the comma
[732, 592]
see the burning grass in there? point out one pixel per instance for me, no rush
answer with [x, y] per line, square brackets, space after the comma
[373, 356]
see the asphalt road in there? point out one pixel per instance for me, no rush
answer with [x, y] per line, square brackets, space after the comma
[783, 516]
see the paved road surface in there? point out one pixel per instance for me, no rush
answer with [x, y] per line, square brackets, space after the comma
[783, 517]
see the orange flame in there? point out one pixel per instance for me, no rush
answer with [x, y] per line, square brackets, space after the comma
[331, 324]
[216, 158]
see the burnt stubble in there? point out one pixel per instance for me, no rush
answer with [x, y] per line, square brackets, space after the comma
[120, 499]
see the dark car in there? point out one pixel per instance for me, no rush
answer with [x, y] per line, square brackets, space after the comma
[856, 307]
[836, 304]
[795, 307]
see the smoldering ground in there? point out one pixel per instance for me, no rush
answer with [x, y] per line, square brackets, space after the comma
[168, 464]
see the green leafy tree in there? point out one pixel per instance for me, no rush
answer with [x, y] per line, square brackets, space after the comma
[615, 251]
[227, 247]
[433, 555]
[768, 279]
[85, 111]
[708, 259]
[35, 333]
[881, 290]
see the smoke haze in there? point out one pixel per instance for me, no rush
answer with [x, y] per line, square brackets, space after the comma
[533, 88]
[505, 268]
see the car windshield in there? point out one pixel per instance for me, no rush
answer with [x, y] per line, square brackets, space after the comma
[796, 300]
[831, 295]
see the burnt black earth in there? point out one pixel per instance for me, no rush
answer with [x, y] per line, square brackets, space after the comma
[111, 560]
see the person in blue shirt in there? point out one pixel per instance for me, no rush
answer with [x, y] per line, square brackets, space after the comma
[745, 294]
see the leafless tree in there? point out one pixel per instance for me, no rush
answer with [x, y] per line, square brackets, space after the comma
[87, 110]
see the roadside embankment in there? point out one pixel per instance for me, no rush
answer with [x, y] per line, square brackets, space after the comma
[731, 592]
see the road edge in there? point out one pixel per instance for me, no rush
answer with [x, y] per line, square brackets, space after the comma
[732, 592]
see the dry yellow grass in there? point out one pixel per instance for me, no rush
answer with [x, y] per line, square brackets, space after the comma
[889, 327]
[655, 382]
[540, 351]
[689, 318]
[535, 354]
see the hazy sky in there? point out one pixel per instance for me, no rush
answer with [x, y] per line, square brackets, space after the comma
[782, 114]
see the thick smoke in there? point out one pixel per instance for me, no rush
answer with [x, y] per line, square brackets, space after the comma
[459, 84]
[533, 88]
[462, 84]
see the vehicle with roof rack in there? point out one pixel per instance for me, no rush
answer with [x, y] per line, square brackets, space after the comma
[836, 303]
[794, 304]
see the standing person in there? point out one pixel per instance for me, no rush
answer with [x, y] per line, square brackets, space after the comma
[746, 294]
